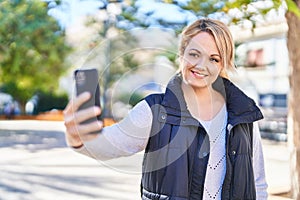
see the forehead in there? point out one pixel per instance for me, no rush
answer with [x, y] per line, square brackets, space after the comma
[203, 41]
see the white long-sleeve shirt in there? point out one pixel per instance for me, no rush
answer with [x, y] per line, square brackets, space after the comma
[131, 135]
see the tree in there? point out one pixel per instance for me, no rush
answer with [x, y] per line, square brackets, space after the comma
[32, 49]
[293, 39]
[249, 11]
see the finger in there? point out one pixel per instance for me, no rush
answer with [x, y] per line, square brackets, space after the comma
[73, 139]
[73, 120]
[88, 137]
[76, 102]
[87, 129]
[75, 130]
[86, 114]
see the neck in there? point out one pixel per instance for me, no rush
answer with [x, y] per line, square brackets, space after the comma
[203, 103]
[203, 95]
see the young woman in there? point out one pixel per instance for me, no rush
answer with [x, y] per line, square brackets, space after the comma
[200, 137]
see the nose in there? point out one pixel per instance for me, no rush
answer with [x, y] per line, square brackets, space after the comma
[202, 63]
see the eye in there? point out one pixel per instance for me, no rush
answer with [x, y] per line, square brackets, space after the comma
[194, 55]
[214, 60]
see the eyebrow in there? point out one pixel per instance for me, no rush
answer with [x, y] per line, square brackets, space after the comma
[210, 55]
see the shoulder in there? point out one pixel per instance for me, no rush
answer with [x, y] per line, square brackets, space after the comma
[154, 99]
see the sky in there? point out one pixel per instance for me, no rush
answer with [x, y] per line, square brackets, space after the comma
[149, 11]
[71, 10]
[170, 13]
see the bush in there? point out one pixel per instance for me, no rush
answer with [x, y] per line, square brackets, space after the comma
[50, 101]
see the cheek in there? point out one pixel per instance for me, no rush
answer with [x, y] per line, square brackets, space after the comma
[186, 61]
[185, 64]
[215, 69]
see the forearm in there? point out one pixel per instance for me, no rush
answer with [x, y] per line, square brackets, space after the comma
[101, 148]
[122, 139]
[118, 145]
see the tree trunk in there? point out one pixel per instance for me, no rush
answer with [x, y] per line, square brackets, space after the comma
[293, 41]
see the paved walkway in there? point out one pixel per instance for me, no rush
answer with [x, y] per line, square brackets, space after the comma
[35, 164]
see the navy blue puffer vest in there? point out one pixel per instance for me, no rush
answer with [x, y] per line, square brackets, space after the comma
[177, 153]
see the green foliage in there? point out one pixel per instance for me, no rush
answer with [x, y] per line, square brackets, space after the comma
[250, 10]
[12, 88]
[115, 53]
[131, 99]
[32, 48]
[122, 57]
[128, 16]
[206, 8]
[203, 7]
[292, 6]
[48, 101]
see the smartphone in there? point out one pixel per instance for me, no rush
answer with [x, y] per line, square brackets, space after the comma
[88, 80]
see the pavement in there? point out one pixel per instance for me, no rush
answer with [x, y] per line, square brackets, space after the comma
[36, 164]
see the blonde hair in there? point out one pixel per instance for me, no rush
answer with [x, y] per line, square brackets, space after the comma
[221, 34]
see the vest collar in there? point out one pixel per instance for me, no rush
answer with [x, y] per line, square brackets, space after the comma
[174, 98]
[240, 108]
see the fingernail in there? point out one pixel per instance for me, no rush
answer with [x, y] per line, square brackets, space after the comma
[97, 110]
[86, 94]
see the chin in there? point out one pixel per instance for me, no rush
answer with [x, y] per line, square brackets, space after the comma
[192, 81]
[196, 83]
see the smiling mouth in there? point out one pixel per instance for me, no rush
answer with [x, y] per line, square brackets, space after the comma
[198, 74]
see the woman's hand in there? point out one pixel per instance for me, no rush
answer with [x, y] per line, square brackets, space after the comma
[77, 133]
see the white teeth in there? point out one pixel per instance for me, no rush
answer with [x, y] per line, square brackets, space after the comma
[199, 74]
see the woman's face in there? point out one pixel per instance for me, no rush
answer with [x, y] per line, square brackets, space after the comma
[201, 63]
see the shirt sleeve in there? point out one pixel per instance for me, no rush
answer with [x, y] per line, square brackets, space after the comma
[124, 138]
[258, 165]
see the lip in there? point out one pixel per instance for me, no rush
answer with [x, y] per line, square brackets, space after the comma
[198, 74]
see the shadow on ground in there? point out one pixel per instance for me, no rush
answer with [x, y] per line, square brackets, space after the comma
[32, 140]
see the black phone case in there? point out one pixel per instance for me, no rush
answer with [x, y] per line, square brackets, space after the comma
[87, 80]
